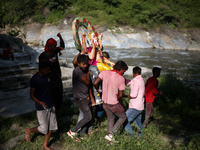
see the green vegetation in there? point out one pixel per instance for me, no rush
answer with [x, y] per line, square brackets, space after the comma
[175, 111]
[143, 13]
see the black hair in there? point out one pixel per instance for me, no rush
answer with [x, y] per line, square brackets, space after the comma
[120, 65]
[44, 64]
[137, 70]
[105, 54]
[82, 58]
[8, 45]
[156, 69]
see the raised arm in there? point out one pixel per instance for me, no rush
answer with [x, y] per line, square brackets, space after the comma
[62, 44]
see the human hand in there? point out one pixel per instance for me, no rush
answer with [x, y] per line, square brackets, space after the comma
[99, 91]
[112, 64]
[161, 93]
[83, 35]
[59, 35]
[43, 104]
[100, 36]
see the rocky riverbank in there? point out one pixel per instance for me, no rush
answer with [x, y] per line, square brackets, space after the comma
[121, 37]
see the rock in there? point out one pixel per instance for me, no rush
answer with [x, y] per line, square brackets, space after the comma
[63, 62]
[12, 142]
[32, 32]
[122, 37]
[158, 42]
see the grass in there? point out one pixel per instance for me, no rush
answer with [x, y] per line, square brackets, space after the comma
[176, 117]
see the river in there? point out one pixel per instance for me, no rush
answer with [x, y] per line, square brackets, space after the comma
[186, 63]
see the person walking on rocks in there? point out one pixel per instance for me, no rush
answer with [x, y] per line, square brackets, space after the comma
[51, 54]
[151, 89]
[40, 93]
[113, 86]
[136, 105]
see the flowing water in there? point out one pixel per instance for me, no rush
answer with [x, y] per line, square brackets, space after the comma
[186, 63]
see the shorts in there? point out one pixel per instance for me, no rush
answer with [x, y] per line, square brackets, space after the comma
[47, 120]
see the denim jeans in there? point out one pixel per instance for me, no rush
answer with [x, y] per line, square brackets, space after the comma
[83, 105]
[111, 111]
[136, 115]
[99, 110]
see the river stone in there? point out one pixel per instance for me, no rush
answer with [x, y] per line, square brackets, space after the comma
[32, 32]
[48, 31]
[158, 42]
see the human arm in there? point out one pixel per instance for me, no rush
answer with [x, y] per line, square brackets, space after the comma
[75, 62]
[109, 62]
[83, 43]
[62, 44]
[159, 92]
[96, 84]
[155, 87]
[86, 78]
[32, 96]
[91, 94]
[120, 94]
[134, 86]
[100, 40]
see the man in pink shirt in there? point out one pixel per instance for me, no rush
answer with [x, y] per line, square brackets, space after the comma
[113, 86]
[136, 105]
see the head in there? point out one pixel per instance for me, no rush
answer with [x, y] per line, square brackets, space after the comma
[106, 55]
[137, 71]
[156, 71]
[121, 66]
[44, 67]
[7, 45]
[50, 45]
[83, 62]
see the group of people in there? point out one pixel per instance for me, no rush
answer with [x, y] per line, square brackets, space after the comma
[96, 82]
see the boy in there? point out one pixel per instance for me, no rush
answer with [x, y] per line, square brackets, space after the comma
[81, 81]
[40, 93]
[113, 86]
[136, 105]
[150, 93]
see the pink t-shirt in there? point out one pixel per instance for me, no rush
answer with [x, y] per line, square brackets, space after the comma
[112, 82]
[137, 92]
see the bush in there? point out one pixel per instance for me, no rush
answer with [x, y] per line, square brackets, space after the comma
[178, 104]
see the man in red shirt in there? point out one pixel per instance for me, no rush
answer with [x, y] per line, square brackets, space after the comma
[151, 89]
[7, 54]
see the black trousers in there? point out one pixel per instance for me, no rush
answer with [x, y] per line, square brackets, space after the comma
[57, 93]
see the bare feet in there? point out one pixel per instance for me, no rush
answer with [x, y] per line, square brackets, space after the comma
[28, 135]
[47, 148]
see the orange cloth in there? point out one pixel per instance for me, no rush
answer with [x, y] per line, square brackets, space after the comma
[50, 41]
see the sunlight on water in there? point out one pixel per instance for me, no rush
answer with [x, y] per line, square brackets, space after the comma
[186, 63]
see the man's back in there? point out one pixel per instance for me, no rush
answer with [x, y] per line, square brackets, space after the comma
[151, 89]
[112, 83]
